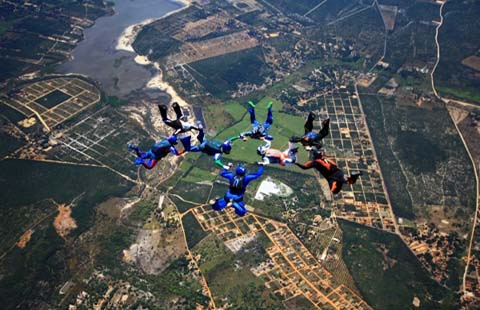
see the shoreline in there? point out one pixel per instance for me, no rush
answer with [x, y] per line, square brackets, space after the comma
[129, 34]
[125, 42]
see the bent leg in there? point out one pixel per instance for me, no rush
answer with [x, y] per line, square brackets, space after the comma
[269, 119]
[219, 204]
[325, 129]
[335, 186]
[178, 110]
[163, 111]
[309, 123]
[150, 164]
[239, 207]
[200, 135]
[253, 119]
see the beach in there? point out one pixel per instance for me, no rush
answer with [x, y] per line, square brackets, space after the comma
[125, 42]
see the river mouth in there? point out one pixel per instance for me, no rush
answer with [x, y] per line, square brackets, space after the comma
[97, 56]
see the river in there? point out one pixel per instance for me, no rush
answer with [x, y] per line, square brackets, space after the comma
[97, 57]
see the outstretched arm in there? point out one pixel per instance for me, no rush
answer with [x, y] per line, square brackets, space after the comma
[227, 174]
[231, 139]
[255, 175]
[307, 165]
[217, 159]
[244, 134]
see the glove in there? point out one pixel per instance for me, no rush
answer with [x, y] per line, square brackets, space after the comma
[131, 146]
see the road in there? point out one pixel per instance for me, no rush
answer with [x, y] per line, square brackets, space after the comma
[475, 169]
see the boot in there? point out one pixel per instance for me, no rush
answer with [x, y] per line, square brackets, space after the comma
[178, 110]
[163, 111]
[353, 177]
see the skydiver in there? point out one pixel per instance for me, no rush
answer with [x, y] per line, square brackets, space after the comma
[275, 156]
[158, 151]
[329, 170]
[179, 124]
[213, 148]
[312, 139]
[238, 185]
[259, 131]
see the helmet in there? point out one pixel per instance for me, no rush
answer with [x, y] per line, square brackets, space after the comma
[318, 153]
[261, 150]
[240, 170]
[172, 139]
[226, 147]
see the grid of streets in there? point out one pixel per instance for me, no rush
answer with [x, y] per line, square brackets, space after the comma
[79, 95]
[350, 145]
[293, 270]
[101, 138]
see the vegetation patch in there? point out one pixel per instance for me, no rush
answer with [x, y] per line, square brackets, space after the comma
[387, 273]
[193, 230]
[230, 278]
[221, 75]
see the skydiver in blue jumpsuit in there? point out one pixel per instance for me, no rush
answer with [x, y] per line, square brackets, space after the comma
[213, 148]
[238, 185]
[158, 151]
[312, 139]
[259, 131]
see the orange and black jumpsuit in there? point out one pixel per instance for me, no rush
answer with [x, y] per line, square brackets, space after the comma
[328, 168]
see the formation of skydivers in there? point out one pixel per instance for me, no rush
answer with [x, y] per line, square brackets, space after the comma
[239, 180]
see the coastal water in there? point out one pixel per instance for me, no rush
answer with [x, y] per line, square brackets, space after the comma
[97, 57]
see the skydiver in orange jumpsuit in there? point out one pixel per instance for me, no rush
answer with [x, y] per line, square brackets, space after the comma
[329, 170]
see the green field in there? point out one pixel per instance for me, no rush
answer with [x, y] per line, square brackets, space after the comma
[193, 230]
[387, 273]
[283, 127]
[458, 41]
[220, 75]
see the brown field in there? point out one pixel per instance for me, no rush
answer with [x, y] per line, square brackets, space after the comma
[389, 14]
[64, 223]
[22, 242]
[203, 27]
[472, 62]
[191, 52]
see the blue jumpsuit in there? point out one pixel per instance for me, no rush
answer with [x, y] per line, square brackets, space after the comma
[213, 148]
[238, 186]
[158, 151]
[259, 130]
